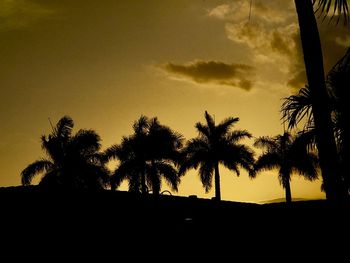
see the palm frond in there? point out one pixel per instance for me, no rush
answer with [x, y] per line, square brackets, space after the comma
[231, 165]
[64, 127]
[203, 130]
[196, 144]
[238, 135]
[195, 152]
[307, 167]
[54, 148]
[93, 177]
[35, 168]
[337, 7]
[305, 140]
[210, 121]
[126, 170]
[233, 156]
[206, 171]
[192, 161]
[267, 161]
[112, 152]
[85, 142]
[169, 173]
[141, 124]
[265, 142]
[226, 125]
[296, 107]
[246, 160]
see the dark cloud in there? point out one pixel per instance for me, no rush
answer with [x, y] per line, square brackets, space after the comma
[298, 80]
[335, 40]
[280, 44]
[237, 75]
[297, 73]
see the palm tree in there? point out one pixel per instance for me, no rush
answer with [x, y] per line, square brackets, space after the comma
[289, 155]
[313, 59]
[338, 81]
[73, 161]
[217, 144]
[295, 108]
[148, 155]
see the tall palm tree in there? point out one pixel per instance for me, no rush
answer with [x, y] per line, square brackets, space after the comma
[73, 161]
[147, 156]
[289, 155]
[296, 107]
[217, 144]
[313, 59]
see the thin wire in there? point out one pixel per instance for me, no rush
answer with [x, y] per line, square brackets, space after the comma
[51, 123]
[250, 9]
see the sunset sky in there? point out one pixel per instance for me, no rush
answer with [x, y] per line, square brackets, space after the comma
[104, 63]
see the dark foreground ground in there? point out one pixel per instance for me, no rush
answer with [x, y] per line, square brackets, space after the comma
[116, 223]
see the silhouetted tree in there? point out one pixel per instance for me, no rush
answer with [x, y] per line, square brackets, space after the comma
[338, 81]
[148, 155]
[73, 161]
[288, 154]
[217, 144]
[297, 107]
[313, 59]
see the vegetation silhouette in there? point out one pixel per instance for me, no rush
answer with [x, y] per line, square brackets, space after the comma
[73, 161]
[338, 80]
[217, 144]
[298, 107]
[151, 153]
[289, 154]
[321, 105]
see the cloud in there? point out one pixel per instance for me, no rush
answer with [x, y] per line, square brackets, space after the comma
[220, 11]
[275, 11]
[214, 72]
[17, 14]
[272, 36]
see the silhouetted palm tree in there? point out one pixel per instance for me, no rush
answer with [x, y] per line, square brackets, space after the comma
[313, 58]
[338, 80]
[73, 162]
[217, 144]
[148, 155]
[297, 107]
[288, 154]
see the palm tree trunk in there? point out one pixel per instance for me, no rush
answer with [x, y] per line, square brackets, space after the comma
[313, 59]
[217, 182]
[288, 192]
[155, 185]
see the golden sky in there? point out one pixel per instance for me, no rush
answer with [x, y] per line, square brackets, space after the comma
[104, 63]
